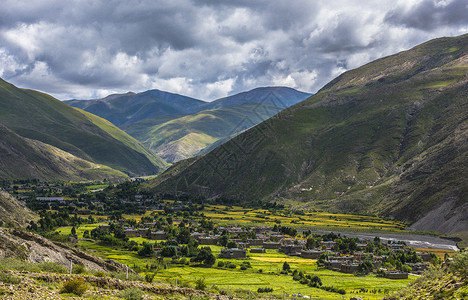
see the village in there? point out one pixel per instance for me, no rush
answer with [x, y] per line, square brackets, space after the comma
[391, 260]
[358, 256]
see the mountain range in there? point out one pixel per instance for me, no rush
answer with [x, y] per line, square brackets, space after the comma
[176, 127]
[45, 138]
[388, 138]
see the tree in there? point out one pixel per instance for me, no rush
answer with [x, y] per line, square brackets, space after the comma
[147, 250]
[205, 256]
[231, 244]
[286, 266]
[406, 268]
[168, 251]
[222, 241]
[366, 267]
[315, 281]
[73, 231]
[310, 244]
[183, 237]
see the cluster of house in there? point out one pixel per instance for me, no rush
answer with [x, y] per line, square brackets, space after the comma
[267, 239]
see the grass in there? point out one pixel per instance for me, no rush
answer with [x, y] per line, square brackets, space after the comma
[190, 134]
[267, 266]
[79, 229]
[21, 265]
[251, 279]
[270, 264]
[312, 220]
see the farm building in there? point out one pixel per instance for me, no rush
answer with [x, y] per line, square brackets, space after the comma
[233, 253]
[257, 250]
[396, 275]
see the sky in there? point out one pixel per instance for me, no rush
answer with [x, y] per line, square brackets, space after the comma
[207, 49]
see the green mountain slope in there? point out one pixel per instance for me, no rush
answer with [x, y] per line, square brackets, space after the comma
[390, 137]
[187, 136]
[129, 108]
[38, 116]
[22, 158]
[123, 137]
[179, 138]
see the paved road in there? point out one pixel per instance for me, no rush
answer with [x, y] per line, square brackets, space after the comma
[412, 240]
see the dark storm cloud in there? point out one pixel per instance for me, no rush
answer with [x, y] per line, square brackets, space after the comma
[428, 15]
[203, 48]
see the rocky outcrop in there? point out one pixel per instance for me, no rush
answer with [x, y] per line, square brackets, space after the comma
[36, 249]
[14, 212]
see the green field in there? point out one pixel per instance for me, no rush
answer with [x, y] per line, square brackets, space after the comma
[312, 220]
[266, 268]
[265, 272]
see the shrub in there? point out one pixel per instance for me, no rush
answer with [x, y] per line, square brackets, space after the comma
[220, 264]
[333, 290]
[315, 281]
[9, 279]
[74, 286]
[231, 266]
[100, 274]
[131, 294]
[406, 268]
[149, 277]
[183, 261]
[200, 284]
[243, 267]
[459, 265]
[78, 269]
[265, 290]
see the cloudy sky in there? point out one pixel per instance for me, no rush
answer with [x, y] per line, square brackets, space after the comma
[206, 48]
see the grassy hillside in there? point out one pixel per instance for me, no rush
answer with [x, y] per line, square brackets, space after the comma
[129, 108]
[186, 136]
[22, 158]
[448, 282]
[388, 138]
[179, 138]
[126, 139]
[39, 116]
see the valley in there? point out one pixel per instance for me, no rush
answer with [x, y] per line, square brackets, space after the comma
[183, 225]
[357, 191]
[176, 127]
